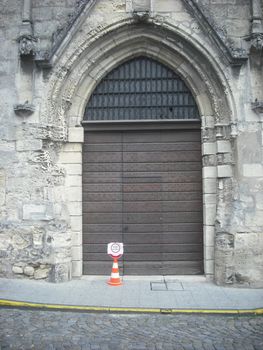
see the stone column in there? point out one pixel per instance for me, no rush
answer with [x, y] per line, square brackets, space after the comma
[27, 50]
[26, 17]
[71, 160]
[256, 17]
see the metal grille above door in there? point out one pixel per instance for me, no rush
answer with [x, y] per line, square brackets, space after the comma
[141, 89]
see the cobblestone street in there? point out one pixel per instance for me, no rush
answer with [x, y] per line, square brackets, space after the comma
[34, 329]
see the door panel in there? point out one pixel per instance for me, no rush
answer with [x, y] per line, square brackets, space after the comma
[145, 190]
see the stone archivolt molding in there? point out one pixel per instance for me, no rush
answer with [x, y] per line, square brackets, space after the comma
[234, 56]
[88, 58]
[114, 45]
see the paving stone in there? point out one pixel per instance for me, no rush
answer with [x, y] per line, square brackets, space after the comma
[27, 329]
[158, 286]
[34, 329]
[174, 286]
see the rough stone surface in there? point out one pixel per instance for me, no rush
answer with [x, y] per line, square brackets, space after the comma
[40, 147]
[17, 269]
[29, 270]
[41, 273]
[21, 329]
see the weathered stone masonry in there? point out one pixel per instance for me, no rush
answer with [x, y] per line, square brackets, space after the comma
[53, 55]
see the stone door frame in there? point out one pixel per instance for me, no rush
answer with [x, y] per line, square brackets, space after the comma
[206, 81]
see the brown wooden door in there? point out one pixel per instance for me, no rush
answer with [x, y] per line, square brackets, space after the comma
[143, 188]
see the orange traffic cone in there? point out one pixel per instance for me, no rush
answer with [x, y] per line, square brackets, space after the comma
[115, 276]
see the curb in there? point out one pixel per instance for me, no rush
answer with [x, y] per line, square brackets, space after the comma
[59, 307]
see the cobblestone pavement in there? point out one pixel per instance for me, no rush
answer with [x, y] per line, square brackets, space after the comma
[49, 330]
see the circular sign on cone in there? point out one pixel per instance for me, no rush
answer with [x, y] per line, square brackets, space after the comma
[115, 250]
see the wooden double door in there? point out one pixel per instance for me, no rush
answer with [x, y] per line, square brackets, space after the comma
[143, 188]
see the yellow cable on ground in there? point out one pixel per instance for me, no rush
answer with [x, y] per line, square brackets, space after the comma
[24, 304]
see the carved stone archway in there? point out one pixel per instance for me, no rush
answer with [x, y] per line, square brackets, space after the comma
[72, 85]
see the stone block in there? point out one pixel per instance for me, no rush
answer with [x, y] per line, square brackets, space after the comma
[209, 186]
[224, 171]
[7, 146]
[76, 252]
[20, 241]
[8, 133]
[209, 172]
[209, 253]
[209, 214]
[209, 198]
[70, 158]
[76, 268]
[61, 272]
[208, 121]
[72, 147]
[77, 238]
[74, 194]
[8, 157]
[73, 181]
[209, 236]
[223, 146]
[128, 5]
[259, 200]
[37, 212]
[254, 219]
[49, 3]
[76, 223]
[209, 267]
[253, 170]
[38, 239]
[75, 208]
[2, 187]
[209, 160]
[55, 194]
[17, 270]
[41, 273]
[249, 147]
[28, 145]
[29, 270]
[141, 5]
[209, 148]
[167, 6]
[61, 240]
[76, 134]
[73, 169]
[205, 105]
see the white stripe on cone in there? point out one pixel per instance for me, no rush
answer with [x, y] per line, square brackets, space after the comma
[115, 275]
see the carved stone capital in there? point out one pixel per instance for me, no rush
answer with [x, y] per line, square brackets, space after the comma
[234, 130]
[257, 42]
[257, 106]
[42, 59]
[223, 131]
[24, 109]
[141, 16]
[27, 45]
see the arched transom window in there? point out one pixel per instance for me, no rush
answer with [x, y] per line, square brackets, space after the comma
[141, 89]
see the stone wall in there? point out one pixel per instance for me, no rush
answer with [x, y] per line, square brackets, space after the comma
[40, 140]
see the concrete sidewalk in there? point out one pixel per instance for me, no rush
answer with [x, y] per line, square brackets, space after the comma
[178, 292]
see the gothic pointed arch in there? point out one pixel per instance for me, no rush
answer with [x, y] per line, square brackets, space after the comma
[76, 77]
